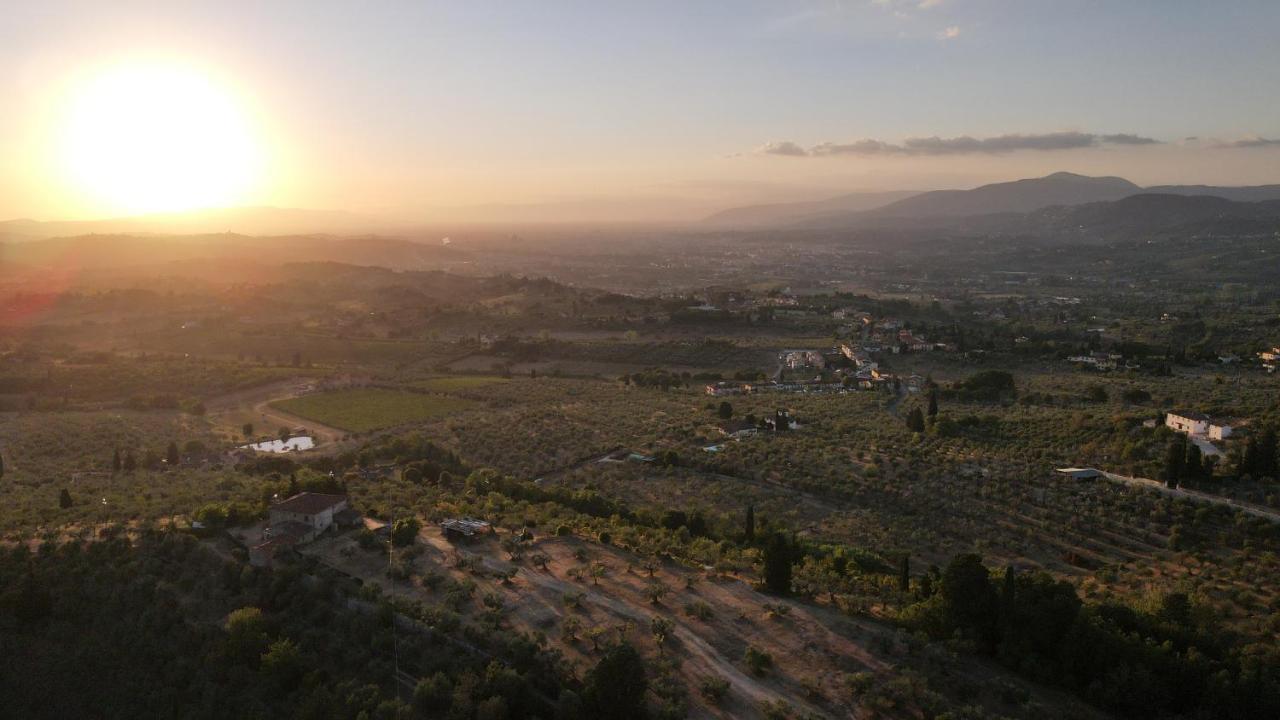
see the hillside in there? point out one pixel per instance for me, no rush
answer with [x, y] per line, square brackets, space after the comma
[752, 216]
[1019, 196]
[1158, 213]
[1244, 193]
[989, 207]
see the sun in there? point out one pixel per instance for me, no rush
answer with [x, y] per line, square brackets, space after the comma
[147, 138]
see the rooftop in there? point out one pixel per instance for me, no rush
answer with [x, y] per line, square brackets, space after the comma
[466, 526]
[309, 503]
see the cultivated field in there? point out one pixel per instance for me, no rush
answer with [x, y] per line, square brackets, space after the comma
[457, 382]
[367, 409]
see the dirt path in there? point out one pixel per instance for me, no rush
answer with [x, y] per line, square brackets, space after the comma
[257, 403]
[1196, 495]
[323, 434]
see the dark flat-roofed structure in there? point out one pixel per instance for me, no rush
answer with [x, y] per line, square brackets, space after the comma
[463, 528]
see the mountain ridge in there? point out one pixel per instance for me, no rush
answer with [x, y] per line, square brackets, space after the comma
[1017, 197]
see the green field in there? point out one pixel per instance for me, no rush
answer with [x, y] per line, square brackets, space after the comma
[457, 382]
[366, 409]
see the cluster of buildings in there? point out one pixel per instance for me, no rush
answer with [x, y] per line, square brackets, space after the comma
[1097, 360]
[737, 430]
[865, 379]
[725, 389]
[800, 359]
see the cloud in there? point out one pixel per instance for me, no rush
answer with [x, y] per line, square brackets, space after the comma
[917, 4]
[861, 147]
[1127, 139]
[963, 145]
[1253, 142]
[785, 147]
[950, 33]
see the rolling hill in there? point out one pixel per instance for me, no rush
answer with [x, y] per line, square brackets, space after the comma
[1155, 213]
[1018, 196]
[978, 207]
[770, 214]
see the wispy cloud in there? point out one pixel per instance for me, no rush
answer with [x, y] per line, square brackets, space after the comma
[785, 147]
[1253, 142]
[1127, 139]
[963, 145]
[950, 33]
[901, 4]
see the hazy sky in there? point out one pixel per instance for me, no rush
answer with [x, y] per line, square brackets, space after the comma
[650, 108]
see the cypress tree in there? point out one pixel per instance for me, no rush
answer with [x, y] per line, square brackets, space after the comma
[749, 527]
[1008, 597]
[1175, 457]
[904, 574]
[778, 556]
[1194, 466]
[1266, 459]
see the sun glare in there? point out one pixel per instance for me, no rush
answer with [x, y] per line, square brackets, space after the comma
[157, 138]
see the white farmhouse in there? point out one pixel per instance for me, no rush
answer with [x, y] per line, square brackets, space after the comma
[1187, 421]
[1198, 424]
[316, 511]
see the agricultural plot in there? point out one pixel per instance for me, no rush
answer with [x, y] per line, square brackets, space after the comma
[368, 409]
[457, 383]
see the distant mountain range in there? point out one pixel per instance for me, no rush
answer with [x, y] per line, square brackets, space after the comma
[771, 214]
[244, 220]
[1020, 197]
[200, 255]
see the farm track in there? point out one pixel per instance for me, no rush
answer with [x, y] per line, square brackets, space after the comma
[324, 434]
[1195, 495]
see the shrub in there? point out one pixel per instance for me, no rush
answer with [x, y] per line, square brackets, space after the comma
[757, 660]
[405, 531]
[713, 689]
[699, 609]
